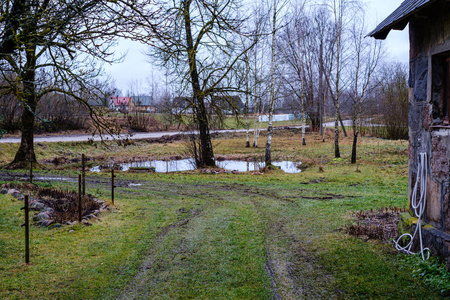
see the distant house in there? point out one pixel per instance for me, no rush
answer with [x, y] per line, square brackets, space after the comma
[143, 103]
[182, 105]
[122, 103]
[227, 104]
[97, 102]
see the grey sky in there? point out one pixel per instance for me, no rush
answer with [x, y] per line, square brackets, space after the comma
[136, 67]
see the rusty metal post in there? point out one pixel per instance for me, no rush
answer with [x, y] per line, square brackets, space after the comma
[27, 231]
[83, 172]
[112, 185]
[79, 198]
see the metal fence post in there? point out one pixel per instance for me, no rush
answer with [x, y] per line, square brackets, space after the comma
[79, 198]
[83, 163]
[27, 231]
[112, 185]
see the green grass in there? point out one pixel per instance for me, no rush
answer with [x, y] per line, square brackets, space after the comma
[191, 235]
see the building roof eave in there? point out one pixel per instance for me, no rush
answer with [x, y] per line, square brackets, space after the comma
[399, 18]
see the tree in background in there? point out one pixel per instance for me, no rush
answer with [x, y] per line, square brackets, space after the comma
[273, 90]
[50, 46]
[394, 105]
[204, 54]
[366, 57]
[2, 131]
[293, 46]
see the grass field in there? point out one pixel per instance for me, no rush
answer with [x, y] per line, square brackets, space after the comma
[229, 236]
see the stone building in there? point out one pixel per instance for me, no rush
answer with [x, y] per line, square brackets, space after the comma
[429, 110]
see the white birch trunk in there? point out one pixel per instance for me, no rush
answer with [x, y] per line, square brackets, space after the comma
[268, 157]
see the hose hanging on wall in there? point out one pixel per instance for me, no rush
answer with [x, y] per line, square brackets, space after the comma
[419, 208]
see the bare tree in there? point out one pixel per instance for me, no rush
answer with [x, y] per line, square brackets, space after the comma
[366, 56]
[393, 92]
[341, 10]
[53, 46]
[203, 54]
[324, 42]
[272, 84]
[293, 47]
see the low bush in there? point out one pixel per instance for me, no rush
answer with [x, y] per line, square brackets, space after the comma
[433, 272]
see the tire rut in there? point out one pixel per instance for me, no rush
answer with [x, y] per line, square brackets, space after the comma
[135, 289]
[294, 271]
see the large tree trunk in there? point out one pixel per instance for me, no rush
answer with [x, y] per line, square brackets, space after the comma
[206, 155]
[25, 154]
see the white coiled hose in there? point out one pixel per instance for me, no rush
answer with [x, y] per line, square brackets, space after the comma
[419, 208]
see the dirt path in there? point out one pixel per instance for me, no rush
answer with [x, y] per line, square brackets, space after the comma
[291, 266]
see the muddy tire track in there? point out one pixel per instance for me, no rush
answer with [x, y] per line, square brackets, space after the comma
[138, 286]
[294, 271]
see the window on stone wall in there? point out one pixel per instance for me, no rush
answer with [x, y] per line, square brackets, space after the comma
[446, 91]
[441, 89]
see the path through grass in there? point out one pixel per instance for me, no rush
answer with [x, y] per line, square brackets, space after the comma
[180, 236]
[192, 235]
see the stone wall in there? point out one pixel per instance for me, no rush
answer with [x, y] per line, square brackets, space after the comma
[430, 43]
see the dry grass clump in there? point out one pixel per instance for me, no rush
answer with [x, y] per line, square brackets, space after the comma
[378, 224]
[64, 203]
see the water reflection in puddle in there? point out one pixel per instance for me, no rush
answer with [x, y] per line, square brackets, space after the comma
[50, 178]
[161, 166]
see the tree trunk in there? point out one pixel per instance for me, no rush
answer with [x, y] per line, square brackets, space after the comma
[355, 140]
[337, 153]
[338, 26]
[303, 122]
[247, 90]
[342, 124]
[206, 155]
[25, 154]
[258, 109]
[321, 87]
[303, 111]
[268, 156]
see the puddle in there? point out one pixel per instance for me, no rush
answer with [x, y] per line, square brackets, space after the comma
[161, 166]
[49, 178]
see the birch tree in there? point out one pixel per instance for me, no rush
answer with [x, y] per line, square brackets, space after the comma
[342, 11]
[366, 56]
[338, 11]
[257, 56]
[272, 84]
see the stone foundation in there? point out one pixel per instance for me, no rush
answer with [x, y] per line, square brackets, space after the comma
[436, 240]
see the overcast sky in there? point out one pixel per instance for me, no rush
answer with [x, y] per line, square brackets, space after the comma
[136, 68]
